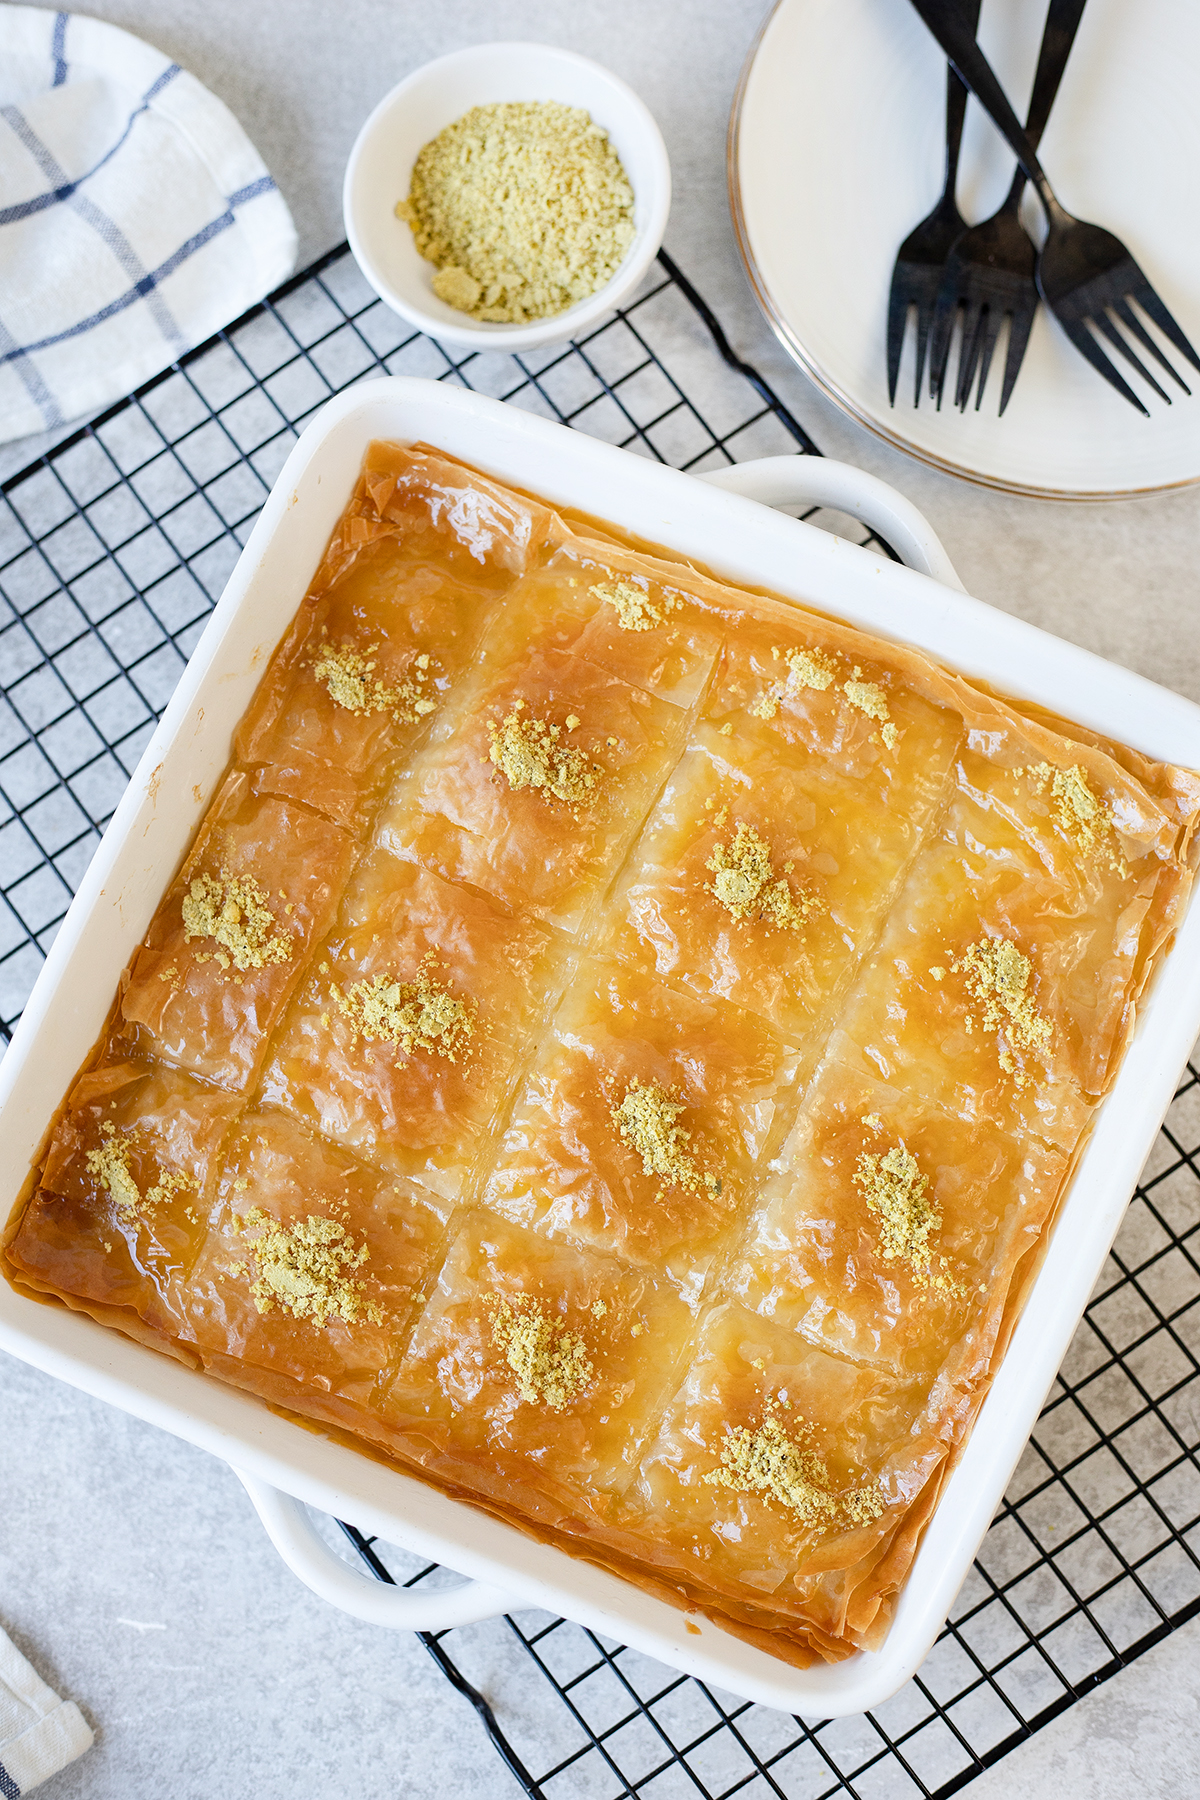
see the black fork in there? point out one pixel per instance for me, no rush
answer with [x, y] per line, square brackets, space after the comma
[922, 256]
[990, 272]
[1085, 275]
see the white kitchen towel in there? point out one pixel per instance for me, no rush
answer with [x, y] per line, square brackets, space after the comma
[39, 1733]
[136, 217]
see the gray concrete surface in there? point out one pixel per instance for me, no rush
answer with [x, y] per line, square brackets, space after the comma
[131, 1568]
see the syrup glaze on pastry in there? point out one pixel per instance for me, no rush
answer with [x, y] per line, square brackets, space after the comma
[616, 1048]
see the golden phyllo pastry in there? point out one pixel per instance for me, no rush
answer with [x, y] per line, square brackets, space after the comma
[616, 1048]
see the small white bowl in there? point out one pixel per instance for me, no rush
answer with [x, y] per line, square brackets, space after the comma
[381, 162]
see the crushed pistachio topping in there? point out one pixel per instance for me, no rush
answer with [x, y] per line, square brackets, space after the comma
[551, 1364]
[633, 606]
[1080, 815]
[309, 1268]
[523, 206]
[805, 669]
[233, 911]
[781, 1466]
[870, 698]
[810, 669]
[109, 1164]
[867, 696]
[349, 677]
[646, 1119]
[173, 1182]
[528, 753]
[998, 977]
[745, 884]
[421, 1014]
[896, 1192]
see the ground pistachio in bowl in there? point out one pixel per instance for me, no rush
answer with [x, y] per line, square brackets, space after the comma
[523, 207]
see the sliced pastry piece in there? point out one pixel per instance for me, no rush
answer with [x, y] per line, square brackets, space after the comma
[537, 1363]
[780, 1474]
[1112, 843]
[442, 511]
[403, 1040]
[313, 1266]
[891, 1230]
[642, 1121]
[762, 876]
[535, 787]
[617, 611]
[837, 695]
[1006, 980]
[227, 946]
[125, 1193]
[363, 669]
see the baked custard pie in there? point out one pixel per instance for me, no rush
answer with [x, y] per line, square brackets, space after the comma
[616, 1048]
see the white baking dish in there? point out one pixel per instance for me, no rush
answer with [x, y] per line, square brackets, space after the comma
[741, 539]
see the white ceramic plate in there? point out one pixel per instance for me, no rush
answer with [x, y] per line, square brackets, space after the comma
[836, 150]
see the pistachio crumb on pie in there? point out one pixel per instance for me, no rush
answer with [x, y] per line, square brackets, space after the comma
[109, 1164]
[348, 676]
[771, 1462]
[896, 1193]
[633, 606]
[309, 1268]
[805, 669]
[998, 976]
[551, 1364]
[646, 1119]
[421, 1014]
[232, 910]
[1081, 817]
[529, 753]
[747, 887]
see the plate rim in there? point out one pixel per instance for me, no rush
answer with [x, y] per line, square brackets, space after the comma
[828, 385]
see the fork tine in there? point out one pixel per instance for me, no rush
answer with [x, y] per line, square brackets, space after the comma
[1132, 323]
[990, 327]
[1087, 347]
[1151, 305]
[924, 320]
[968, 351]
[897, 320]
[945, 312]
[1020, 324]
[1104, 324]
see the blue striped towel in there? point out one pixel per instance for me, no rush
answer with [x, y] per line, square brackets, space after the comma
[39, 1733]
[136, 217]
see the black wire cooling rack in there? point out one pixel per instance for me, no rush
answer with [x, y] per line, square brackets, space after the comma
[113, 548]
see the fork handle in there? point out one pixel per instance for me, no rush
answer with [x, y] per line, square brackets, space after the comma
[945, 19]
[956, 109]
[956, 112]
[1058, 35]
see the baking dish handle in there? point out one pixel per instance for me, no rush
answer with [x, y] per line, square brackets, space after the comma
[817, 481]
[311, 1560]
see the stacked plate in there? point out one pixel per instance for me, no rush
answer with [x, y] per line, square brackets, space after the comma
[836, 149]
